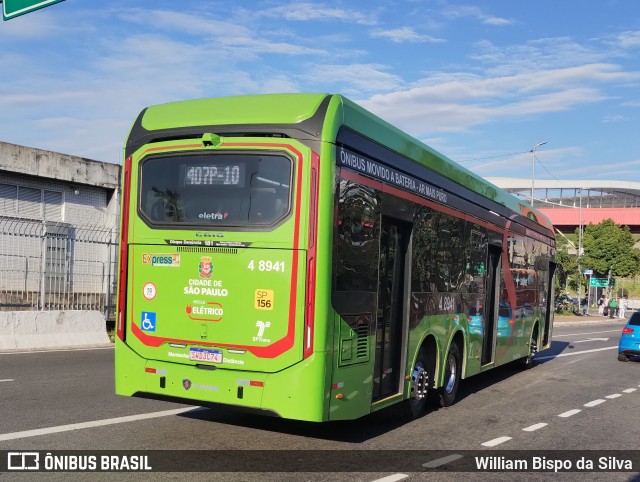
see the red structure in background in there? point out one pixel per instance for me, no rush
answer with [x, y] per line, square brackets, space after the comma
[567, 219]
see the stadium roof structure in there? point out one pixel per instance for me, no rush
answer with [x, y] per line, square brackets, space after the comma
[569, 204]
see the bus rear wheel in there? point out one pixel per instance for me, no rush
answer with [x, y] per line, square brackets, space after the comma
[421, 382]
[527, 362]
[452, 369]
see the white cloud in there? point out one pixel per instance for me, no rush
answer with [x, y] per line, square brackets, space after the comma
[355, 79]
[534, 55]
[614, 169]
[29, 27]
[477, 13]
[628, 40]
[455, 102]
[306, 11]
[405, 34]
[613, 118]
[226, 35]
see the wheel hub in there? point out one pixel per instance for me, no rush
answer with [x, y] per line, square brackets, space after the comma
[419, 382]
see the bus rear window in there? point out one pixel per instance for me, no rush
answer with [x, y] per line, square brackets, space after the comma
[217, 189]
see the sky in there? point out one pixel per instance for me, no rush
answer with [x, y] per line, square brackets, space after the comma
[480, 81]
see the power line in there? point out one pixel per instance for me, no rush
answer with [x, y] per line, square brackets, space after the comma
[492, 157]
[544, 167]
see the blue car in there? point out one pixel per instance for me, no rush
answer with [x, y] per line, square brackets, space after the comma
[630, 339]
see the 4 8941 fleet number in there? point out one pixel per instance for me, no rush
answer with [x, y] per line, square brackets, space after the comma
[266, 265]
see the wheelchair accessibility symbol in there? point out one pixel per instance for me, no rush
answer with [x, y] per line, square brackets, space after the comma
[148, 321]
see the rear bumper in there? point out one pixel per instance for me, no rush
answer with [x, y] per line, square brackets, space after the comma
[295, 393]
[630, 352]
[629, 347]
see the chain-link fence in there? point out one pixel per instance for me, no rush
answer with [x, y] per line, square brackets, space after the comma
[48, 265]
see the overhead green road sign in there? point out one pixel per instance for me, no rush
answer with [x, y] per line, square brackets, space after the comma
[603, 282]
[13, 8]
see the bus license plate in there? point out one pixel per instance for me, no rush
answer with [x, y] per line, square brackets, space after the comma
[203, 354]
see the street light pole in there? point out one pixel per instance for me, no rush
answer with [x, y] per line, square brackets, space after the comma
[579, 255]
[533, 166]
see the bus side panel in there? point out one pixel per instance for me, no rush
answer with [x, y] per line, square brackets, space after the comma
[129, 370]
[352, 380]
[299, 391]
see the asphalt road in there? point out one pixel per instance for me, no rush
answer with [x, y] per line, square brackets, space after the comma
[578, 397]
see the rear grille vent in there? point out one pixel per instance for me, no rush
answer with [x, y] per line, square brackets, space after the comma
[356, 338]
[362, 342]
[182, 249]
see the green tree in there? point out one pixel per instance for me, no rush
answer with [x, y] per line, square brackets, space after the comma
[567, 266]
[610, 246]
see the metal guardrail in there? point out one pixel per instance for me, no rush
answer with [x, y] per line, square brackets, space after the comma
[57, 266]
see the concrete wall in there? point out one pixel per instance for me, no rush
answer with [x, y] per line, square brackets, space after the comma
[83, 180]
[51, 329]
[53, 165]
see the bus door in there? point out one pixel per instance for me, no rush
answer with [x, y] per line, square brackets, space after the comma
[394, 244]
[491, 306]
[548, 326]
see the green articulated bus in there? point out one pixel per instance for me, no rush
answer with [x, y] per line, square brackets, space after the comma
[296, 255]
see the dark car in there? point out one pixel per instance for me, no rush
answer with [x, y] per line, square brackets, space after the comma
[564, 299]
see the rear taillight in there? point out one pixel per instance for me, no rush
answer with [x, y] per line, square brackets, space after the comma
[311, 257]
[627, 331]
[124, 240]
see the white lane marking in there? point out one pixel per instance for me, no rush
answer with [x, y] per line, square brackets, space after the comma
[576, 353]
[7, 380]
[495, 441]
[590, 339]
[629, 390]
[95, 423]
[615, 395]
[594, 402]
[392, 478]
[441, 461]
[534, 427]
[569, 413]
[589, 333]
[56, 350]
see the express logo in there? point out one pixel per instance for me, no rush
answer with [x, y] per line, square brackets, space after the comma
[205, 268]
[186, 383]
[161, 259]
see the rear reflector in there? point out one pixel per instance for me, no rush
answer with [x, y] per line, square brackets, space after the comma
[124, 241]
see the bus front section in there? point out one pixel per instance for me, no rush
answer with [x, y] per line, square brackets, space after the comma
[217, 277]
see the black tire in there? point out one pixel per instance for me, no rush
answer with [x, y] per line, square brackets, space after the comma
[421, 384]
[622, 357]
[452, 372]
[527, 362]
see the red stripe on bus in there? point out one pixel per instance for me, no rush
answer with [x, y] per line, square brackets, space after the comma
[124, 241]
[172, 148]
[359, 178]
[286, 343]
[309, 320]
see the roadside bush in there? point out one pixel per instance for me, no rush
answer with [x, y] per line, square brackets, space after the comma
[567, 309]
